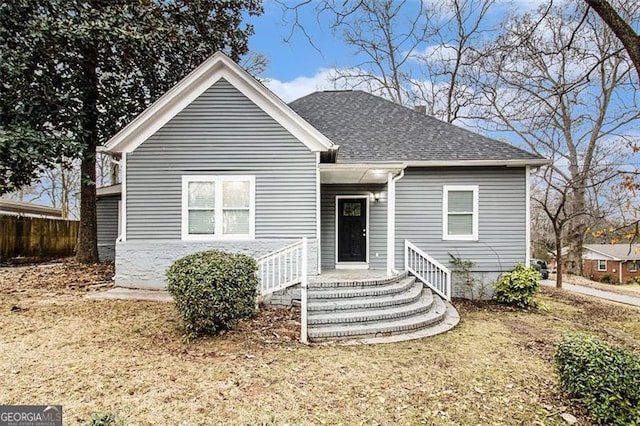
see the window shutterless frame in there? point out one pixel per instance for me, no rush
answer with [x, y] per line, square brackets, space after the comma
[473, 236]
[602, 265]
[218, 206]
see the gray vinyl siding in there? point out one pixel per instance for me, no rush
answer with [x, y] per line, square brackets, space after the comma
[107, 220]
[222, 133]
[502, 216]
[377, 223]
[107, 217]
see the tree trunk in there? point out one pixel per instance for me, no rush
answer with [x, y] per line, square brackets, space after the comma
[558, 233]
[88, 232]
[577, 229]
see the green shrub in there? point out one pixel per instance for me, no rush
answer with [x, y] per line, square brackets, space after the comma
[519, 287]
[606, 278]
[605, 378]
[106, 419]
[213, 289]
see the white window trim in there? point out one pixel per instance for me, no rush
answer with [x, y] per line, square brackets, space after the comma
[634, 264]
[445, 213]
[598, 265]
[218, 179]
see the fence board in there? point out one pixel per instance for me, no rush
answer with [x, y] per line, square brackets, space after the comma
[37, 237]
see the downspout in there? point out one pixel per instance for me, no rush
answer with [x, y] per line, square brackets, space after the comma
[318, 214]
[391, 222]
[527, 191]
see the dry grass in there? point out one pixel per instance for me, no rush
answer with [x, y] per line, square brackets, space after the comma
[127, 357]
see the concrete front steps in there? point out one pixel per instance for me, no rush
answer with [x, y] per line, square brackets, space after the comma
[375, 310]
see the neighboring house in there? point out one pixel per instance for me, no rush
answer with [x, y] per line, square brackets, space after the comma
[619, 262]
[19, 208]
[221, 162]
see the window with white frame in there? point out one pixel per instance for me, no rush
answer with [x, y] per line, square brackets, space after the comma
[602, 265]
[460, 212]
[218, 207]
[632, 266]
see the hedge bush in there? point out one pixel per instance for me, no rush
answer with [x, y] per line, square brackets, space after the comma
[212, 289]
[519, 287]
[604, 377]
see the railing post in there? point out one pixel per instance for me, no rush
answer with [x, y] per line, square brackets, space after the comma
[406, 255]
[303, 293]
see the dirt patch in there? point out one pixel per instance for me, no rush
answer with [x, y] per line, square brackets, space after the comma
[66, 276]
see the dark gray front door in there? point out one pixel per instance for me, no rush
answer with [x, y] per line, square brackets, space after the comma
[352, 230]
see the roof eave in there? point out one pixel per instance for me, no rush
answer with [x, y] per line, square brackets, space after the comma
[534, 162]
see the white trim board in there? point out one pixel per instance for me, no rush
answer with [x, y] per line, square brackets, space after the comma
[217, 67]
[352, 265]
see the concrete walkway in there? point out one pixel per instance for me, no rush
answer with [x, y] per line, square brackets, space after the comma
[607, 295]
[120, 293]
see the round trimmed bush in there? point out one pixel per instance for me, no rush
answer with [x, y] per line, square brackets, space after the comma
[519, 287]
[213, 289]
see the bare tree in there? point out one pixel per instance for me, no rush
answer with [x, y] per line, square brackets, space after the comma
[622, 29]
[458, 29]
[562, 85]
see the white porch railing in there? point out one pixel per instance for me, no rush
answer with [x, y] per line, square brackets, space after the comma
[428, 270]
[284, 268]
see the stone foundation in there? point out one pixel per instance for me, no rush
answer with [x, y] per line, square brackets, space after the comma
[144, 263]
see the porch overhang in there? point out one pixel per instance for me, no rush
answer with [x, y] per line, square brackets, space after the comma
[377, 173]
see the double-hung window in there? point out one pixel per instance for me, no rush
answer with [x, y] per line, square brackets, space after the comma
[632, 266]
[602, 265]
[460, 212]
[218, 207]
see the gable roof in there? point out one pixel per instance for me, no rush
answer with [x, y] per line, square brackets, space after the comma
[369, 128]
[217, 67]
[616, 251]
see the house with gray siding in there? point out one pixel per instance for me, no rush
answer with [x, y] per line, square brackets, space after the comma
[381, 197]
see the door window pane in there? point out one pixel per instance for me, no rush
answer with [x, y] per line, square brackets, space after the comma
[351, 209]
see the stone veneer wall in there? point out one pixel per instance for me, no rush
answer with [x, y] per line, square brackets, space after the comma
[144, 263]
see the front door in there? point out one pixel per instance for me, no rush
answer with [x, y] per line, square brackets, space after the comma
[352, 230]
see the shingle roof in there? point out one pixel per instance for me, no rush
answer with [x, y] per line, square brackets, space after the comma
[616, 251]
[372, 129]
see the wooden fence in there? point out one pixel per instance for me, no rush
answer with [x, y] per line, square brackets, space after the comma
[36, 237]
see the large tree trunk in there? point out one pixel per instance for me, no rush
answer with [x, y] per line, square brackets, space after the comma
[88, 233]
[577, 229]
[87, 236]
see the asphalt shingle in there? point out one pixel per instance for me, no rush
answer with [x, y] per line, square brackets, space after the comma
[369, 128]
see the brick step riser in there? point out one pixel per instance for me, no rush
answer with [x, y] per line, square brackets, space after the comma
[356, 283]
[364, 319]
[331, 294]
[366, 303]
[351, 334]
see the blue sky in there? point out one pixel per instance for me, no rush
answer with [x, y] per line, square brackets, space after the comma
[296, 67]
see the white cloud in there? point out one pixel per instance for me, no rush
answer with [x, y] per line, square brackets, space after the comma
[301, 86]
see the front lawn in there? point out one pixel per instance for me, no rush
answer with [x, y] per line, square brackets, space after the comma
[127, 357]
